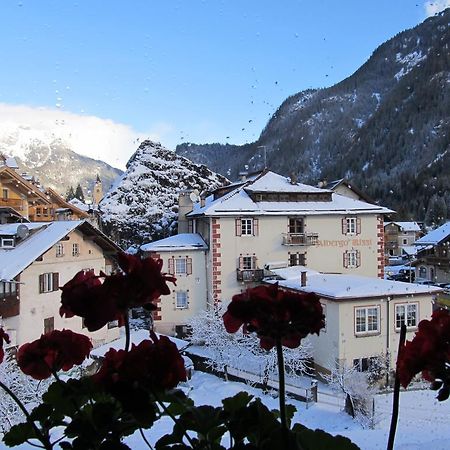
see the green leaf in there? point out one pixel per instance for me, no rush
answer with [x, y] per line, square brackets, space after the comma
[18, 434]
[320, 440]
[239, 401]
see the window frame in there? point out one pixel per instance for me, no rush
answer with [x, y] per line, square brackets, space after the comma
[48, 282]
[351, 225]
[5, 193]
[246, 226]
[352, 259]
[75, 249]
[185, 296]
[49, 324]
[298, 258]
[296, 225]
[4, 243]
[366, 331]
[59, 250]
[405, 307]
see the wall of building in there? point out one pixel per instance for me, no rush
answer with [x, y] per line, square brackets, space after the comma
[35, 306]
[267, 246]
[168, 315]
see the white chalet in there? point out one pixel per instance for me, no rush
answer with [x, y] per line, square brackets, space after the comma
[35, 260]
[363, 315]
[264, 222]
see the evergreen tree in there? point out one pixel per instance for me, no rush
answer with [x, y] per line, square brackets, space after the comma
[70, 194]
[79, 193]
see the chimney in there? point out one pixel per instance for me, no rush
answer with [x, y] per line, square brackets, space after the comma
[303, 279]
[294, 178]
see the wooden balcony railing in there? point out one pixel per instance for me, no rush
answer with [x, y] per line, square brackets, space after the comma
[249, 275]
[17, 204]
[300, 238]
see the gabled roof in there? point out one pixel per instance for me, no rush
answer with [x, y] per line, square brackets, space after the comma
[406, 226]
[272, 182]
[182, 241]
[436, 236]
[9, 161]
[23, 185]
[57, 199]
[239, 201]
[333, 185]
[43, 235]
[347, 287]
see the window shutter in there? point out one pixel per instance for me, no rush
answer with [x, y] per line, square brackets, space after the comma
[344, 225]
[255, 227]
[241, 262]
[254, 262]
[41, 284]
[55, 281]
[345, 259]
[238, 227]
[172, 266]
[188, 266]
[358, 225]
[358, 258]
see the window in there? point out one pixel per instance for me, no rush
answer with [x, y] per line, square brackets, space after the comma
[59, 250]
[297, 259]
[352, 259]
[422, 272]
[7, 289]
[406, 314]
[405, 241]
[367, 320]
[296, 226]
[181, 300]
[48, 282]
[113, 324]
[365, 364]
[75, 249]
[5, 194]
[246, 227]
[38, 211]
[351, 225]
[247, 263]
[49, 325]
[7, 242]
[180, 265]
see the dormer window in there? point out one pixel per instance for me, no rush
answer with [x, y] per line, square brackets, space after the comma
[7, 242]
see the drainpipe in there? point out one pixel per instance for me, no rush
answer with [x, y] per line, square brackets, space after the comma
[388, 353]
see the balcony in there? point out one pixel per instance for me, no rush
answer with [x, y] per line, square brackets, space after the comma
[17, 204]
[249, 275]
[300, 238]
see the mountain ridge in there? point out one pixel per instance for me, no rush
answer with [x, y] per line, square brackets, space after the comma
[384, 127]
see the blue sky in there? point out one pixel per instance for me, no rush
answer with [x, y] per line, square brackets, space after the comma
[198, 71]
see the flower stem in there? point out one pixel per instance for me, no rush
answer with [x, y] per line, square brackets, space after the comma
[42, 438]
[127, 331]
[282, 392]
[396, 399]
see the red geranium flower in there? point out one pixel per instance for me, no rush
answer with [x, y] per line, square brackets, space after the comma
[54, 351]
[102, 298]
[153, 363]
[429, 353]
[274, 315]
[3, 338]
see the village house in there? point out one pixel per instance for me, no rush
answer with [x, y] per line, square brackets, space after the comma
[400, 237]
[35, 260]
[269, 221]
[363, 315]
[33, 202]
[433, 255]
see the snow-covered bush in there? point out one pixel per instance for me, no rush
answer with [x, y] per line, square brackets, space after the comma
[241, 350]
[28, 390]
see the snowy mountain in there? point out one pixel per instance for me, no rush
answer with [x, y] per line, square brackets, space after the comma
[386, 128]
[49, 157]
[143, 204]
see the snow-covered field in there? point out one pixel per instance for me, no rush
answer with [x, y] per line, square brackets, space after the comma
[423, 423]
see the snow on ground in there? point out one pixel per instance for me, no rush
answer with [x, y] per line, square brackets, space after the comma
[423, 420]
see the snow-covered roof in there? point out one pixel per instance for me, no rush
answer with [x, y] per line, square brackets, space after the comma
[182, 241]
[410, 250]
[79, 204]
[342, 287]
[10, 229]
[436, 236]
[272, 182]
[239, 201]
[43, 235]
[406, 226]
